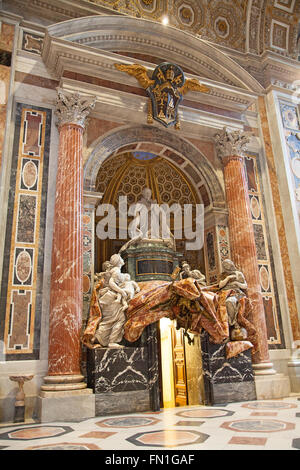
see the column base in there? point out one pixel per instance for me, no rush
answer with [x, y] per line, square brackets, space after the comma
[263, 368]
[272, 386]
[67, 405]
[56, 383]
[294, 374]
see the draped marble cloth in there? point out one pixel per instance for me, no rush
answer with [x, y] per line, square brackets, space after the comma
[194, 307]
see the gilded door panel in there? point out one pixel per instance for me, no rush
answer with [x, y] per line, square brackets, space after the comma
[179, 368]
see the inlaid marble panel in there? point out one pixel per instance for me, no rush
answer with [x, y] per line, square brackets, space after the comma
[168, 438]
[32, 42]
[22, 284]
[4, 91]
[270, 158]
[267, 274]
[128, 422]
[258, 425]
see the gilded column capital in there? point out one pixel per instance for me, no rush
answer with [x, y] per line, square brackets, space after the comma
[231, 144]
[73, 108]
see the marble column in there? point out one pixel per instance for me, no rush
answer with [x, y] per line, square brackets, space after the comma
[66, 298]
[231, 147]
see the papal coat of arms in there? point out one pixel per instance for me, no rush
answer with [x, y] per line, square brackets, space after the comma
[165, 88]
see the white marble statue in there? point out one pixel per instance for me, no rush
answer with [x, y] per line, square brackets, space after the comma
[186, 272]
[147, 223]
[233, 279]
[117, 290]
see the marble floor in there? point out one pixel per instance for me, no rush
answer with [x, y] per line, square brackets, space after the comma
[253, 425]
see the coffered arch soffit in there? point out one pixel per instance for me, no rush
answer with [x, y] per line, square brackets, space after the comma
[131, 35]
[121, 139]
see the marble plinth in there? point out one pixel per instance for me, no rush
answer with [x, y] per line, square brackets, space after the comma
[272, 386]
[74, 405]
[124, 380]
[122, 402]
[294, 375]
[226, 380]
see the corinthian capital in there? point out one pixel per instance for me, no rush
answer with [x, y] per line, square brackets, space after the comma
[73, 108]
[231, 143]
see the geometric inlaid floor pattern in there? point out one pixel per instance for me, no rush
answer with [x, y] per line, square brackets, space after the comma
[256, 425]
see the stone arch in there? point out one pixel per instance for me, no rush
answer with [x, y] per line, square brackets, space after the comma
[121, 33]
[122, 139]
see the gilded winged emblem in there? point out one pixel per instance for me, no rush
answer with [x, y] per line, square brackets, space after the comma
[165, 88]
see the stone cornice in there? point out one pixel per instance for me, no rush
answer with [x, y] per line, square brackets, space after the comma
[61, 54]
[124, 33]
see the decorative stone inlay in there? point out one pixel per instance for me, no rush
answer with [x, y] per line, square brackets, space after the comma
[258, 425]
[73, 108]
[231, 143]
[98, 434]
[66, 446]
[205, 413]
[269, 405]
[128, 422]
[189, 423]
[36, 432]
[168, 438]
[246, 441]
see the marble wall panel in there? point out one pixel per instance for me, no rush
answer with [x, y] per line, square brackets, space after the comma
[216, 249]
[293, 311]
[32, 42]
[4, 88]
[7, 37]
[22, 279]
[291, 123]
[264, 254]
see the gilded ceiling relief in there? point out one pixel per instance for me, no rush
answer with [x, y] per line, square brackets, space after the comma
[268, 24]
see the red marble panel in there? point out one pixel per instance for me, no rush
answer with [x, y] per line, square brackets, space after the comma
[36, 80]
[7, 37]
[98, 434]
[256, 441]
[98, 127]
[4, 87]
[32, 133]
[19, 319]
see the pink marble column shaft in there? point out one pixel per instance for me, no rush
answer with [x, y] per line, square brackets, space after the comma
[67, 251]
[242, 244]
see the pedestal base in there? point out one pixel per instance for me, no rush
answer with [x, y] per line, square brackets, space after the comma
[294, 375]
[122, 402]
[121, 380]
[226, 380]
[74, 405]
[272, 386]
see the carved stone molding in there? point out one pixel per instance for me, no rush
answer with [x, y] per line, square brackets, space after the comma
[231, 143]
[73, 108]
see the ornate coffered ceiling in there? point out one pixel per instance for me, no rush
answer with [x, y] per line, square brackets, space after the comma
[251, 26]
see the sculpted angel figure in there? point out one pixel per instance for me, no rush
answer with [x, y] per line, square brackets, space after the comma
[113, 297]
